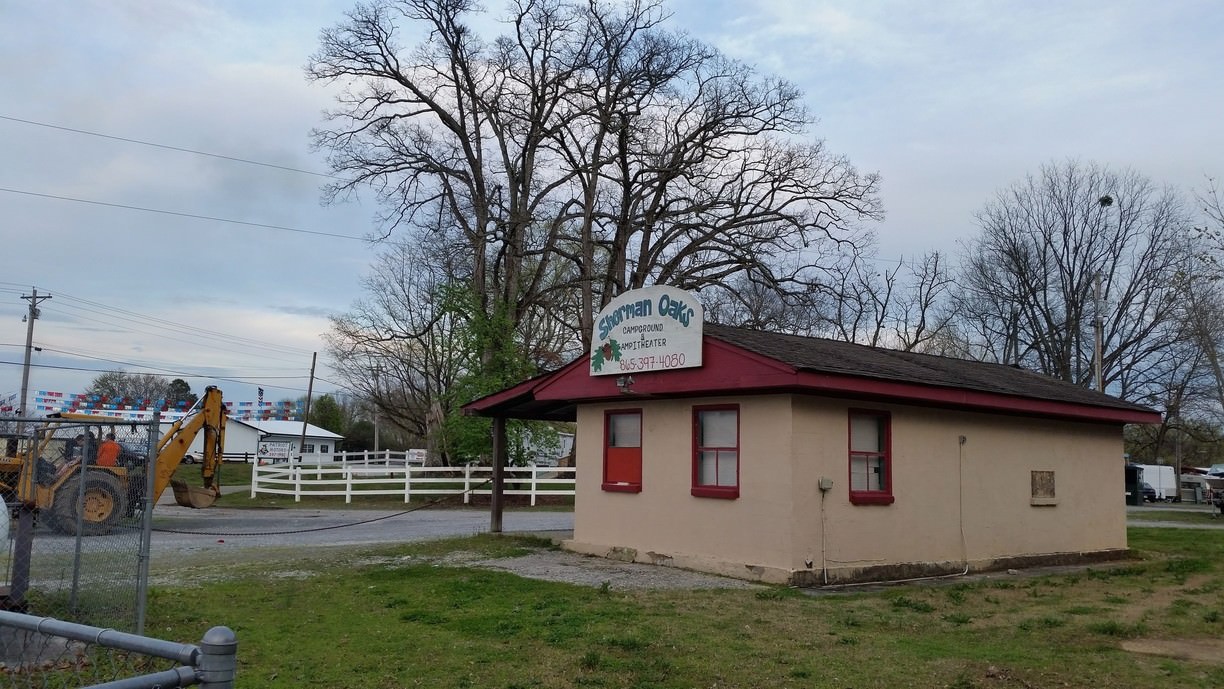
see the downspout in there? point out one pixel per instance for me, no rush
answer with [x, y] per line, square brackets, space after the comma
[960, 482]
[960, 509]
[825, 485]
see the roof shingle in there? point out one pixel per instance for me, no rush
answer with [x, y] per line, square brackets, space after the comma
[844, 358]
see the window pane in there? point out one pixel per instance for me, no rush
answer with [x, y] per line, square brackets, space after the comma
[707, 468]
[876, 479]
[726, 467]
[866, 434]
[858, 473]
[624, 430]
[718, 428]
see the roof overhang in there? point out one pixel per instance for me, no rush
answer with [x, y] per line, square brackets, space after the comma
[732, 370]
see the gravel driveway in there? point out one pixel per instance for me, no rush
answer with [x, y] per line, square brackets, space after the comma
[184, 538]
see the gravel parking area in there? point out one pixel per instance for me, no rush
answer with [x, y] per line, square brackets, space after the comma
[585, 570]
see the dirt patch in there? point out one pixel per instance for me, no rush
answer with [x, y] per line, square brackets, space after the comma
[586, 570]
[1202, 650]
[581, 570]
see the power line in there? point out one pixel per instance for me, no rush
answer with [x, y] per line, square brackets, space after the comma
[181, 215]
[151, 367]
[156, 323]
[142, 319]
[169, 147]
[132, 316]
[116, 313]
[161, 335]
[243, 381]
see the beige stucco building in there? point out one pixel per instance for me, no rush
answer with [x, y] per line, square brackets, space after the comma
[797, 460]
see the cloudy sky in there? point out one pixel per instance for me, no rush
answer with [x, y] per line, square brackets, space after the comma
[229, 272]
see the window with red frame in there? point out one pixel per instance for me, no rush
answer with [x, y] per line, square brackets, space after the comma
[870, 458]
[716, 452]
[623, 451]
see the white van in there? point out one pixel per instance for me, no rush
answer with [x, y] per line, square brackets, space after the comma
[1163, 480]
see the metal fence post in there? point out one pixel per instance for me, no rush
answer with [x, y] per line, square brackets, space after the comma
[153, 431]
[218, 661]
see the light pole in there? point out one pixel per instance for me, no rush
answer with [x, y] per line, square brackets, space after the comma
[1098, 327]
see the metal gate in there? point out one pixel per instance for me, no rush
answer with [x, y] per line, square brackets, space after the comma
[77, 493]
[44, 652]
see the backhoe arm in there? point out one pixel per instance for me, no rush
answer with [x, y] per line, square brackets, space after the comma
[173, 445]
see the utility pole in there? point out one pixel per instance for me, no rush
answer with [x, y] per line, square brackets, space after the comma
[34, 300]
[23, 537]
[306, 410]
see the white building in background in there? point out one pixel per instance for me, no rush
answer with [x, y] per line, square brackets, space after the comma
[270, 440]
[320, 444]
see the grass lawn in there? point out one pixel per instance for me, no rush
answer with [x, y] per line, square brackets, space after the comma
[401, 617]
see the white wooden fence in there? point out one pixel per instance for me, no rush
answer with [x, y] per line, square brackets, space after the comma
[372, 477]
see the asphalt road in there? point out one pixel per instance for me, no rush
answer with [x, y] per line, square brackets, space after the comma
[178, 528]
[218, 528]
[182, 529]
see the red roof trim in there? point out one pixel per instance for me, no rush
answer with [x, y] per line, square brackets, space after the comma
[971, 399]
[732, 370]
[525, 389]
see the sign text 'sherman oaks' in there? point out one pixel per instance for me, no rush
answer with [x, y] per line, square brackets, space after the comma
[649, 329]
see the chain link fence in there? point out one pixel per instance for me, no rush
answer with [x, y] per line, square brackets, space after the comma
[79, 529]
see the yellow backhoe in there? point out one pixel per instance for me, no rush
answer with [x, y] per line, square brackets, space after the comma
[44, 478]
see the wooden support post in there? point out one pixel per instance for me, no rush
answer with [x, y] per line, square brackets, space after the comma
[499, 476]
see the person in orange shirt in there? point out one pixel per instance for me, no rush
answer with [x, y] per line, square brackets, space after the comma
[108, 451]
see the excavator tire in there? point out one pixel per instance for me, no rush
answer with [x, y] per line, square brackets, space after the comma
[104, 503]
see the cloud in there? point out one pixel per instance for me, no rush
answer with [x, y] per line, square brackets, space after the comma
[314, 311]
[950, 101]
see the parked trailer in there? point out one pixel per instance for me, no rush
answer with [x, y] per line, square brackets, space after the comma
[1163, 480]
[1200, 489]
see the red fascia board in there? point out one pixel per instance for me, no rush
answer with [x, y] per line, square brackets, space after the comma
[724, 367]
[971, 399]
[522, 391]
[731, 370]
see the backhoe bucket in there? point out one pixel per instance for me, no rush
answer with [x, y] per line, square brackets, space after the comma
[193, 496]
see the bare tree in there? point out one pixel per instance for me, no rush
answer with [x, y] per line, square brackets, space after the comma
[1204, 304]
[585, 152]
[451, 134]
[1029, 281]
[400, 348]
[698, 177]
